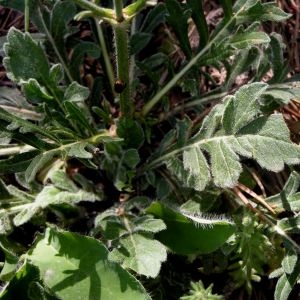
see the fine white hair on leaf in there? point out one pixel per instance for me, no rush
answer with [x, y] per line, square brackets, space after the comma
[206, 220]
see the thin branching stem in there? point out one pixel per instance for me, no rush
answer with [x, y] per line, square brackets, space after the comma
[26, 16]
[107, 62]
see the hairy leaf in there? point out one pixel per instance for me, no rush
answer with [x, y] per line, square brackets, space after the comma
[289, 198]
[66, 193]
[197, 234]
[260, 12]
[242, 132]
[286, 283]
[140, 253]
[25, 59]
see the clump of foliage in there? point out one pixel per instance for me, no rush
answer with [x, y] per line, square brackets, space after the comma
[112, 170]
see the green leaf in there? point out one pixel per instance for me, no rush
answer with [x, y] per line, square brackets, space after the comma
[10, 264]
[131, 158]
[18, 162]
[286, 283]
[288, 199]
[78, 116]
[177, 18]
[289, 262]
[248, 39]
[276, 53]
[35, 93]
[240, 132]
[197, 177]
[197, 234]
[139, 41]
[76, 92]
[198, 17]
[38, 163]
[74, 266]
[51, 195]
[147, 224]
[260, 12]
[78, 150]
[243, 107]
[132, 133]
[62, 181]
[62, 13]
[56, 73]
[24, 58]
[78, 54]
[140, 253]
[26, 126]
[290, 225]
[155, 17]
[18, 287]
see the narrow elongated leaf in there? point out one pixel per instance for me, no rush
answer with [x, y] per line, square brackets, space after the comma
[248, 39]
[197, 234]
[289, 262]
[77, 116]
[286, 283]
[10, 264]
[261, 12]
[288, 199]
[51, 195]
[18, 122]
[198, 17]
[17, 163]
[38, 163]
[77, 267]
[177, 18]
[279, 64]
[155, 17]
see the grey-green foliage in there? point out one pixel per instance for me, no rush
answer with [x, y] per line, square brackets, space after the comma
[235, 128]
[63, 190]
[199, 292]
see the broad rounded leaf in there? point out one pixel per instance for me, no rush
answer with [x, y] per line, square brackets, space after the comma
[187, 234]
[76, 267]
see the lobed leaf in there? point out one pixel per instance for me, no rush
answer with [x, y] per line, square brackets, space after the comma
[25, 59]
[140, 253]
[241, 132]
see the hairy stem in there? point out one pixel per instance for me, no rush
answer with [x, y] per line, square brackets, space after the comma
[122, 59]
[98, 11]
